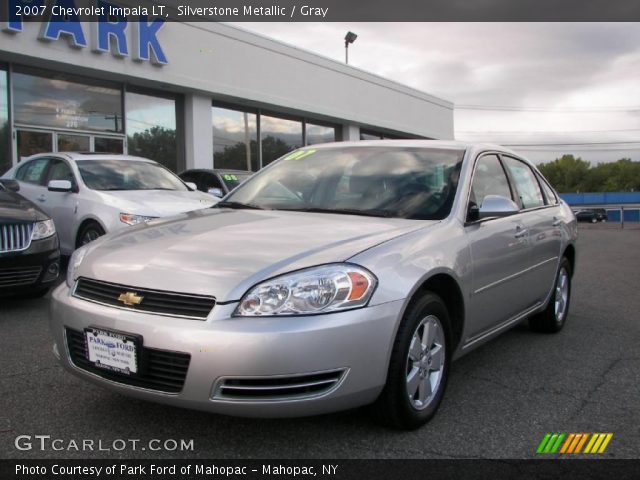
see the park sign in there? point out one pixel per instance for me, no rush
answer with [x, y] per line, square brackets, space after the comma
[109, 27]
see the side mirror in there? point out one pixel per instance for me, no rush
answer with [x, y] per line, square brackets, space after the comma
[59, 186]
[497, 206]
[11, 185]
[192, 186]
[216, 192]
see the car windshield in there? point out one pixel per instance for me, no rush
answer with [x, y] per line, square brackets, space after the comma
[415, 183]
[233, 179]
[127, 175]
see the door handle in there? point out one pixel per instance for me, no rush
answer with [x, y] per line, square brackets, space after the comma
[42, 198]
[556, 222]
[521, 232]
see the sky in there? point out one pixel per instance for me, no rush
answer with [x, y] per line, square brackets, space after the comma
[545, 88]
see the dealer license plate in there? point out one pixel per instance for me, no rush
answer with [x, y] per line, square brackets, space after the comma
[112, 351]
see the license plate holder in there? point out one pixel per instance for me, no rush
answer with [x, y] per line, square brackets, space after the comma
[114, 351]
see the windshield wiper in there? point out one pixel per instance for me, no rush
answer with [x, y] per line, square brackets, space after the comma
[371, 212]
[238, 205]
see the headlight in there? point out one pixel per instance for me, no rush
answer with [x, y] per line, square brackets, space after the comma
[74, 264]
[131, 219]
[43, 229]
[323, 289]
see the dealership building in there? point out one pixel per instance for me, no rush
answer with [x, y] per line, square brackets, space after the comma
[190, 95]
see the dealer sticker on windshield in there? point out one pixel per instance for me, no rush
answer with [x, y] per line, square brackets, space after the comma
[112, 351]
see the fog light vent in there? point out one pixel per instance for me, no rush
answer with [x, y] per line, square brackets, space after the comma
[281, 387]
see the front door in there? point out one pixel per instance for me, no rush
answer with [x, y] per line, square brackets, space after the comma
[500, 253]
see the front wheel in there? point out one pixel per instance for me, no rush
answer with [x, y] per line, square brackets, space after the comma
[419, 366]
[90, 232]
[553, 318]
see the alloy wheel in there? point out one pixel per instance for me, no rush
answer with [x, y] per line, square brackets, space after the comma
[425, 362]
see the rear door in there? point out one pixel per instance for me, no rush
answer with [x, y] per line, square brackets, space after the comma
[31, 175]
[541, 216]
[500, 252]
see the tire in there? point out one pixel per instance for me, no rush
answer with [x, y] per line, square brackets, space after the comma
[89, 233]
[417, 366]
[553, 318]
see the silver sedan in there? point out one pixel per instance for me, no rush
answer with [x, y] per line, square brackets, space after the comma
[90, 194]
[340, 275]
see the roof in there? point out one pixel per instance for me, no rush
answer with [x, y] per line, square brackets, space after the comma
[92, 156]
[444, 144]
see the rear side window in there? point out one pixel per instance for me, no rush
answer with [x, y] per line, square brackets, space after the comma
[526, 183]
[549, 194]
[33, 171]
[489, 179]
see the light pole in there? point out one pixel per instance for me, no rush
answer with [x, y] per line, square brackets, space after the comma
[350, 37]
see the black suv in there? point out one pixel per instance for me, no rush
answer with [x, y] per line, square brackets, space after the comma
[29, 254]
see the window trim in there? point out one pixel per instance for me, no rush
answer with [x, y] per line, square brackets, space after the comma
[473, 174]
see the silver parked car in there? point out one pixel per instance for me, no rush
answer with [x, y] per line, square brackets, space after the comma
[340, 275]
[90, 194]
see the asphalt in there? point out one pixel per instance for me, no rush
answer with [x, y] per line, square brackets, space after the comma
[501, 399]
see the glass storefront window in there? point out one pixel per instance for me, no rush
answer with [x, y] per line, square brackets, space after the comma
[151, 128]
[364, 135]
[319, 134]
[107, 145]
[30, 143]
[278, 136]
[235, 139]
[59, 101]
[5, 154]
[73, 143]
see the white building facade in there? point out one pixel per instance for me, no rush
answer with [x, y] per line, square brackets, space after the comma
[190, 95]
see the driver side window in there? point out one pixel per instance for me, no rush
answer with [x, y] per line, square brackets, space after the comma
[489, 179]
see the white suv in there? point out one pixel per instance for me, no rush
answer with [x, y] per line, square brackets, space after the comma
[90, 194]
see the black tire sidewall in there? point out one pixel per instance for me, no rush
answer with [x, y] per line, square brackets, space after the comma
[88, 227]
[429, 304]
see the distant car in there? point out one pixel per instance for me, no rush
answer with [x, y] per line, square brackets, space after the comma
[29, 254]
[90, 194]
[592, 215]
[216, 182]
[340, 275]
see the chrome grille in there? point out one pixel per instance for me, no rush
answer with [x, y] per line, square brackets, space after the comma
[11, 277]
[160, 302]
[281, 387]
[15, 237]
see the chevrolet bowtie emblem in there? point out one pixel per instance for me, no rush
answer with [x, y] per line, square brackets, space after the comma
[130, 298]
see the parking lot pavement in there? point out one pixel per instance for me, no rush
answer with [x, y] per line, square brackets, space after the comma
[501, 398]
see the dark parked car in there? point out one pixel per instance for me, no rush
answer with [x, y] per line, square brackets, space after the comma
[29, 253]
[592, 215]
[216, 182]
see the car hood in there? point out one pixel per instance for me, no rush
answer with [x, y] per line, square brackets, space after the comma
[157, 203]
[15, 208]
[223, 252]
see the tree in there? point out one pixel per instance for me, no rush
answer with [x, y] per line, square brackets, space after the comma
[235, 156]
[157, 143]
[567, 173]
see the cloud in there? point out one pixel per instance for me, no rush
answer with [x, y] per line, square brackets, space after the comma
[549, 70]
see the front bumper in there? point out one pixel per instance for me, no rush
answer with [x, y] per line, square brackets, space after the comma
[36, 268]
[356, 343]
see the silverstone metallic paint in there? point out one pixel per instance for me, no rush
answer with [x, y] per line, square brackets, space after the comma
[504, 269]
